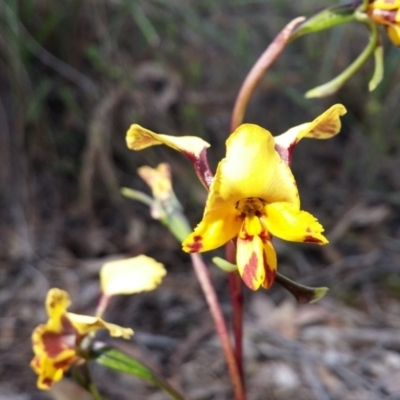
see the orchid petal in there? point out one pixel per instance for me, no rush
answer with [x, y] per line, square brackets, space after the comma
[131, 275]
[252, 168]
[139, 138]
[48, 371]
[289, 223]
[270, 264]
[393, 32]
[325, 126]
[85, 324]
[256, 257]
[250, 261]
[220, 224]
[195, 148]
[57, 303]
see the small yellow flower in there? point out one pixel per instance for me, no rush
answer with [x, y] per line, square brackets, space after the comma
[159, 180]
[253, 195]
[55, 342]
[387, 13]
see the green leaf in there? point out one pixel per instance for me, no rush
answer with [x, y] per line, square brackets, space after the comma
[303, 294]
[117, 360]
[335, 84]
[326, 19]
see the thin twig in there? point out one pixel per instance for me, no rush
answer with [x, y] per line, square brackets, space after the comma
[204, 279]
[236, 294]
[259, 69]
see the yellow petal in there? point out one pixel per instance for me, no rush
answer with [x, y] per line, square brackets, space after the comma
[57, 302]
[289, 223]
[384, 5]
[132, 275]
[220, 224]
[85, 324]
[252, 168]
[138, 138]
[48, 371]
[270, 264]
[251, 227]
[256, 262]
[394, 33]
[325, 126]
[159, 180]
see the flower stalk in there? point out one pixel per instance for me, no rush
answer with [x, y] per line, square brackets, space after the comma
[234, 364]
[247, 89]
[259, 69]
[166, 208]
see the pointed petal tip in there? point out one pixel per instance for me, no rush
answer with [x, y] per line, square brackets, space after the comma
[316, 238]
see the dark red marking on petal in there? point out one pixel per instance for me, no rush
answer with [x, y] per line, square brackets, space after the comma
[264, 235]
[249, 271]
[246, 237]
[312, 239]
[47, 382]
[285, 153]
[270, 273]
[243, 235]
[200, 164]
[196, 245]
[55, 343]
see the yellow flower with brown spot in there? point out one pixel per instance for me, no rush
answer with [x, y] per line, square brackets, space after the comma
[387, 13]
[253, 195]
[55, 343]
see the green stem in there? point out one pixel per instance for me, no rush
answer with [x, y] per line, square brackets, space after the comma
[94, 392]
[335, 84]
[87, 382]
[137, 195]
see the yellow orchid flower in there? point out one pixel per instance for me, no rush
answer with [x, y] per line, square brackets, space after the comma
[254, 196]
[387, 13]
[55, 342]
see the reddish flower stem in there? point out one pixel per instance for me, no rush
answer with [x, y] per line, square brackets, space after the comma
[207, 286]
[236, 292]
[249, 85]
[259, 69]
[102, 304]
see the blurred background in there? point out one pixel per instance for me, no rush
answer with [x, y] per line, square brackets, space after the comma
[75, 74]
